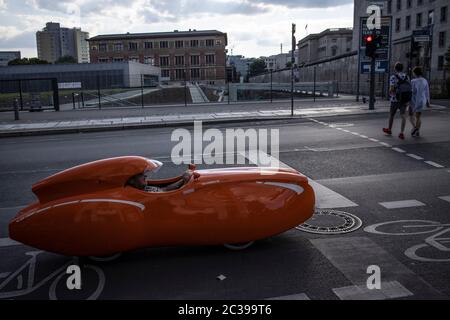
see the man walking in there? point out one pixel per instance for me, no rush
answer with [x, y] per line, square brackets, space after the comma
[400, 92]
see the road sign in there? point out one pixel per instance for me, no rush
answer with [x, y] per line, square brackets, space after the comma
[380, 67]
[383, 54]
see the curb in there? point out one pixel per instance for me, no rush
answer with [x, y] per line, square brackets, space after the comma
[100, 128]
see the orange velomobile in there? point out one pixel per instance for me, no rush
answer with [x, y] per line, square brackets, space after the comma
[92, 210]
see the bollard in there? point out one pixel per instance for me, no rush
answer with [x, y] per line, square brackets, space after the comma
[16, 109]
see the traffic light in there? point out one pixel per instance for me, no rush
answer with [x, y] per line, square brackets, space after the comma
[370, 46]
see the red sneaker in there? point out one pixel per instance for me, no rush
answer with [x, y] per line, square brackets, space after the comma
[401, 136]
[387, 131]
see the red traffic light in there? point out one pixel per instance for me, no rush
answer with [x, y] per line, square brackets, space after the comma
[369, 39]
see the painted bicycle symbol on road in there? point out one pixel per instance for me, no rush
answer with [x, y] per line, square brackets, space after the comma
[57, 287]
[438, 243]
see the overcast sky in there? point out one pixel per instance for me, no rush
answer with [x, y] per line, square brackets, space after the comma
[254, 28]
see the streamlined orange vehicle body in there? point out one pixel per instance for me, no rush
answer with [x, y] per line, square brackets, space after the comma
[89, 210]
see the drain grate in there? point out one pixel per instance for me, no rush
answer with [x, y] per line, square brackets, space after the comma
[331, 222]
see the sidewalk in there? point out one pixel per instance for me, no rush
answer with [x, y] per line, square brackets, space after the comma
[97, 121]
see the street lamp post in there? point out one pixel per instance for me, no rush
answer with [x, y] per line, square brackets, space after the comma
[292, 69]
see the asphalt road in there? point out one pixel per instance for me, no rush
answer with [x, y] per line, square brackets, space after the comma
[370, 174]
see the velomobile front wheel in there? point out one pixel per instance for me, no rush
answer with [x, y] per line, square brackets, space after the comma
[238, 246]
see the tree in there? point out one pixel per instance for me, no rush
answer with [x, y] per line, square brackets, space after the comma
[26, 61]
[66, 59]
[257, 67]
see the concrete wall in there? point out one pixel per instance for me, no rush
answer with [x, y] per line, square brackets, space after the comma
[341, 69]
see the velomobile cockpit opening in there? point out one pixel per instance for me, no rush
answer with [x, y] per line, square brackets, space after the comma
[145, 181]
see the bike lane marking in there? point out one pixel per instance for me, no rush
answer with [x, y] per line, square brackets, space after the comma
[389, 290]
[402, 204]
[399, 150]
[299, 296]
[352, 255]
[325, 197]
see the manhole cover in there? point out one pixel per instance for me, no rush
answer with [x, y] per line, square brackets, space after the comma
[331, 222]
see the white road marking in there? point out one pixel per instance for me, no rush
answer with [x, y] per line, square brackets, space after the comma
[445, 198]
[300, 296]
[385, 144]
[399, 150]
[402, 204]
[353, 255]
[374, 140]
[388, 290]
[434, 164]
[363, 136]
[8, 242]
[414, 156]
[325, 197]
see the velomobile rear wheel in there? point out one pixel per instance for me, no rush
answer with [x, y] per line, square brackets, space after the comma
[238, 246]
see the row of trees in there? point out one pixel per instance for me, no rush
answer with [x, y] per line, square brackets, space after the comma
[29, 61]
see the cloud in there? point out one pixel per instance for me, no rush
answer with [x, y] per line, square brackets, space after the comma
[304, 3]
[17, 40]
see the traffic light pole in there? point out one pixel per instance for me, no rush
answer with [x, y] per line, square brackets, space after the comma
[372, 84]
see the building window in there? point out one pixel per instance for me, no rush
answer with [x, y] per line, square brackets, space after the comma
[179, 60]
[419, 20]
[163, 61]
[179, 74]
[165, 73]
[408, 4]
[118, 59]
[419, 2]
[179, 44]
[149, 60]
[103, 47]
[103, 60]
[408, 23]
[194, 43]
[389, 6]
[148, 45]
[444, 11]
[118, 47]
[440, 63]
[397, 24]
[430, 17]
[210, 59]
[399, 5]
[195, 60]
[209, 43]
[164, 44]
[195, 73]
[441, 42]
[133, 59]
[132, 46]
[218, 43]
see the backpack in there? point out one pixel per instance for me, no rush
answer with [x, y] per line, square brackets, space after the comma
[403, 92]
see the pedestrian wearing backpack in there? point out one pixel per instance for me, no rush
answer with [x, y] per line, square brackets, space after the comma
[400, 91]
[420, 99]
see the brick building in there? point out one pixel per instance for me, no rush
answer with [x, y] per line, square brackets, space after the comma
[201, 54]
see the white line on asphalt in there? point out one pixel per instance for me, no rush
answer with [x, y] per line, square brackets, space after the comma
[300, 296]
[414, 156]
[374, 140]
[399, 150]
[325, 197]
[363, 136]
[353, 255]
[445, 198]
[402, 204]
[345, 130]
[388, 290]
[434, 164]
[385, 144]
[8, 242]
